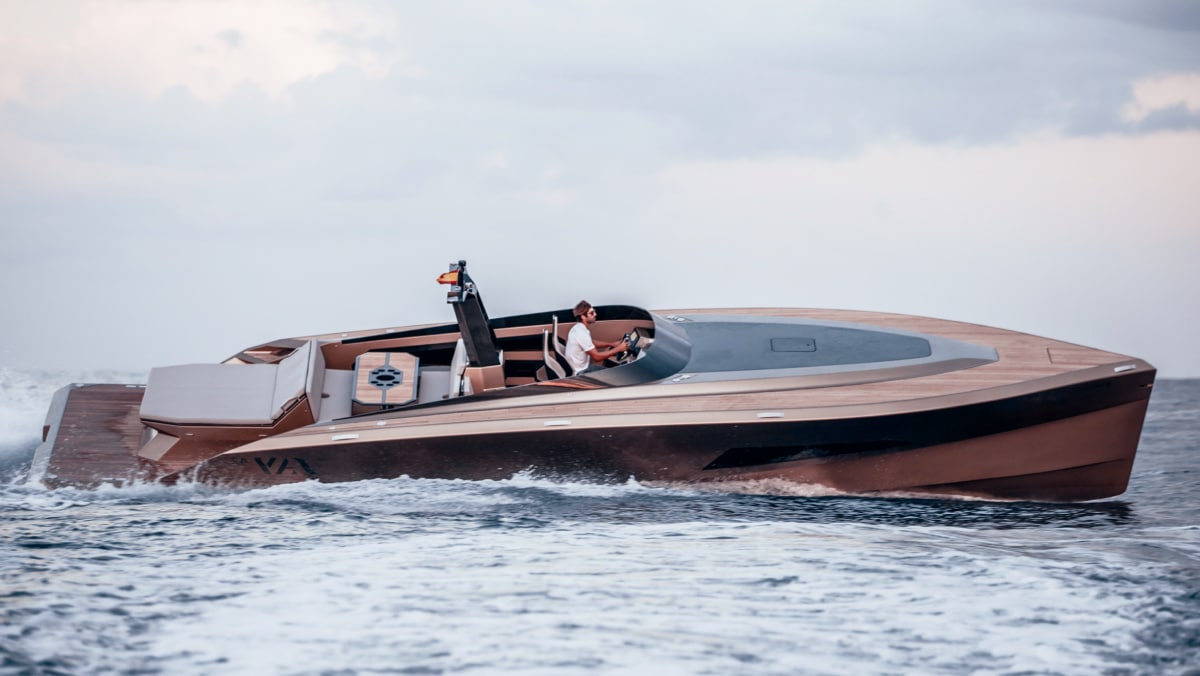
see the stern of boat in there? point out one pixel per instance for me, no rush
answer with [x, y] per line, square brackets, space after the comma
[91, 436]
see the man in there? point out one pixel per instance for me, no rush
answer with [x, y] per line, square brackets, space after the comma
[582, 352]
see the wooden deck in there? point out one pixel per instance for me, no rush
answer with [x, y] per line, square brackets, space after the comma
[97, 438]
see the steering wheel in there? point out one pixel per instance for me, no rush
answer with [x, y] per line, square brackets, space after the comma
[630, 354]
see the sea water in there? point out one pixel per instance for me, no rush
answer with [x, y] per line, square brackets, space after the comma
[538, 575]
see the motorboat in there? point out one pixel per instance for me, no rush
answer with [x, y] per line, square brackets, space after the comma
[849, 401]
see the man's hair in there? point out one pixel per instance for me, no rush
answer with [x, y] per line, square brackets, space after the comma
[582, 307]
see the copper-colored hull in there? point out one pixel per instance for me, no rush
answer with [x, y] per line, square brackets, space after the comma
[1085, 457]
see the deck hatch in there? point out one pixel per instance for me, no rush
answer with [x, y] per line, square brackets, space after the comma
[793, 345]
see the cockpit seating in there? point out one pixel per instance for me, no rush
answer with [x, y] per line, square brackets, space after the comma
[552, 368]
[559, 347]
[458, 385]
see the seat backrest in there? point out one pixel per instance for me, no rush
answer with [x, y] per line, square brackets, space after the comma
[432, 383]
[314, 386]
[301, 372]
[551, 361]
[558, 344]
[459, 386]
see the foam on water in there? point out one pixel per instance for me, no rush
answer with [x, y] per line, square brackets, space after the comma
[711, 596]
[709, 593]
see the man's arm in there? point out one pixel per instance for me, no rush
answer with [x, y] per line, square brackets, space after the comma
[613, 348]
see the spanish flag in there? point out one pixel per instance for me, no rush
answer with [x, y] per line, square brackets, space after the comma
[448, 277]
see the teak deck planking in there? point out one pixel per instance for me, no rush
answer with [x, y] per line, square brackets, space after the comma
[98, 436]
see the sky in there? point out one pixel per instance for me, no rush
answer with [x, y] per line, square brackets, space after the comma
[180, 180]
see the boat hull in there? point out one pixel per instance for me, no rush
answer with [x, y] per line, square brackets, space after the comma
[988, 413]
[1054, 445]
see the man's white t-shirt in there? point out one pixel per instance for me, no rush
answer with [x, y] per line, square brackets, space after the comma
[579, 341]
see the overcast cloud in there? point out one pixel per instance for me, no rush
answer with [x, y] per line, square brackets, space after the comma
[179, 180]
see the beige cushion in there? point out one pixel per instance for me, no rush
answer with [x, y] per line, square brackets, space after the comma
[339, 385]
[234, 394]
[217, 394]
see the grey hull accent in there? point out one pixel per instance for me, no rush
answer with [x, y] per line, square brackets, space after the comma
[737, 347]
